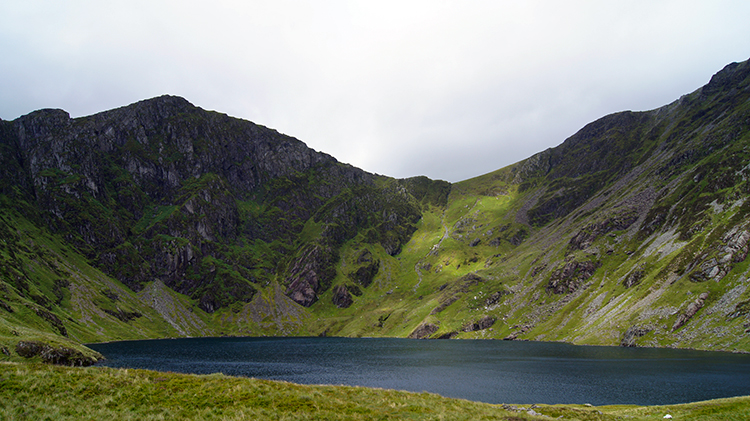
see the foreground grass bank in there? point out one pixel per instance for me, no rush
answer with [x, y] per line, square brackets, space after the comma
[38, 391]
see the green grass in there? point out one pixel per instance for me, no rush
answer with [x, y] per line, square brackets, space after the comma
[42, 279]
[36, 391]
[698, 177]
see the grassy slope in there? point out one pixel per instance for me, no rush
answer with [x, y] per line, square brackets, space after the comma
[599, 314]
[50, 293]
[29, 391]
[482, 230]
[47, 285]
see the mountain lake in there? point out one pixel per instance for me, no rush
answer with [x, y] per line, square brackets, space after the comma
[488, 371]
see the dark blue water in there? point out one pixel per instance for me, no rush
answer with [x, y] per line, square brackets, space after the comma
[486, 371]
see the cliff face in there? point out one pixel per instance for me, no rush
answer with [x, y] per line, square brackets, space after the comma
[634, 231]
[208, 204]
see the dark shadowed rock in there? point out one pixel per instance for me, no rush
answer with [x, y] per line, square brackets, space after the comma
[310, 273]
[495, 297]
[632, 334]
[341, 296]
[586, 236]
[424, 330]
[364, 275]
[170, 177]
[485, 322]
[59, 355]
[633, 278]
[5, 306]
[51, 318]
[569, 278]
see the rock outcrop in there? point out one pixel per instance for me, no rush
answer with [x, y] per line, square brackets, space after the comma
[690, 311]
[425, 330]
[208, 204]
[608, 238]
[571, 276]
[59, 355]
[342, 298]
[485, 322]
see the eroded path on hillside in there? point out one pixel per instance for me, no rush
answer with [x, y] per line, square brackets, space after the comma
[433, 250]
[436, 247]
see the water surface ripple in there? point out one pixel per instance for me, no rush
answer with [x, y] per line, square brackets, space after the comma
[478, 370]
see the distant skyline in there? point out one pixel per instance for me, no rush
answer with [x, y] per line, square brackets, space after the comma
[447, 89]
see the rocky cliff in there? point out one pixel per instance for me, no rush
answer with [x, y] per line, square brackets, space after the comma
[635, 229]
[210, 205]
[182, 221]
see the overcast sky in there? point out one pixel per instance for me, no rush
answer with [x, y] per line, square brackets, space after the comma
[447, 89]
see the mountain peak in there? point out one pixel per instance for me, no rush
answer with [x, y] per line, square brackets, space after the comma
[732, 76]
[620, 235]
[172, 101]
[156, 108]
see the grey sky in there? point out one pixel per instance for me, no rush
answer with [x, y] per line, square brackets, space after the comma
[447, 89]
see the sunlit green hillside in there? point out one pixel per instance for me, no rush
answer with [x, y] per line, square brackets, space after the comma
[633, 232]
[160, 219]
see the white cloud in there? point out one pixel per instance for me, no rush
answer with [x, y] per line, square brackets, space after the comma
[448, 89]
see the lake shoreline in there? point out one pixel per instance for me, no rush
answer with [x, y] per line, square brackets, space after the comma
[734, 351]
[44, 391]
[501, 371]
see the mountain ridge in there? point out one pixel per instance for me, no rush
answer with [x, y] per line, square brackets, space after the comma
[631, 232]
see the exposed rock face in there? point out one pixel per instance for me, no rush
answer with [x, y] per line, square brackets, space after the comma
[208, 204]
[425, 330]
[341, 296]
[365, 274]
[733, 250]
[495, 298]
[52, 319]
[632, 334]
[485, 322]
[518, 237]
[168, 197]
[586, 236]
[5, 306]
[388, 216]
[633, 278]
[691, 310]
[570, 277]
[309, 273]
[53, 355]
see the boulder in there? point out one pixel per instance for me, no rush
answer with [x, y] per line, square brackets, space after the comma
[53, 355]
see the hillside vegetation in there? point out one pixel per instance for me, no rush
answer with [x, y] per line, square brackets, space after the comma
[160, 219]
[632, 232]
[47, 392]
